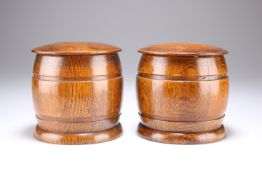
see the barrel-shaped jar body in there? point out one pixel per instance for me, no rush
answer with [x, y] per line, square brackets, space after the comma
[182, 93]
[77, 93]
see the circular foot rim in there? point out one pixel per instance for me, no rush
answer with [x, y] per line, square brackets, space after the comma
[181, 137]
[78, 138]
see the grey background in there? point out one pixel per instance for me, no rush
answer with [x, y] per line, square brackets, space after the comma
[235, 25]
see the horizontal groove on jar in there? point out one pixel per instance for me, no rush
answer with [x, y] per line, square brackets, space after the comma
[176, 119]
[93, 78]
[182, 78]
[182, 126]
[75, 120]
[76, 127]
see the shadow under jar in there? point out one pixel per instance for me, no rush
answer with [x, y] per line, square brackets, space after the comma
[182, 93]
[77, 91]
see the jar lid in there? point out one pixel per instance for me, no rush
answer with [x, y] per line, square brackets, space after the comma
[183, 49]
[76, 48]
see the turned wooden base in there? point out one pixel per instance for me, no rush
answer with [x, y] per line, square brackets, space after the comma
[181, 137]
[78, 138]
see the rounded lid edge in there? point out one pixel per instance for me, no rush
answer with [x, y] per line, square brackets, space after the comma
[183, 49]
[76, 48]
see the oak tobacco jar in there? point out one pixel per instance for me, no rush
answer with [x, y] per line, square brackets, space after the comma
[77, 91]
[182, 93]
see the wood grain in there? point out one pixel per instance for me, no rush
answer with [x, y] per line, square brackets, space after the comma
[181, 126]
[76, 48]
[181, 137]
[182, 49]
[182, 90]
[78, 138]
[78, 94]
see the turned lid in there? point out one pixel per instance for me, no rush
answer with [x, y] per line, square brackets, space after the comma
[183, 49]
[76, 48]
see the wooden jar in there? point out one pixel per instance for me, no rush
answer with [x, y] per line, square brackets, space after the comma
[77, 91]
[182, 93]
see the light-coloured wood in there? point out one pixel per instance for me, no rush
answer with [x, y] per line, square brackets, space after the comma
[76, 48]
[181, 137]
[182, 100]
[78, 138]
[182, 88]
[181, 126]
[182, 49]
[76, 94]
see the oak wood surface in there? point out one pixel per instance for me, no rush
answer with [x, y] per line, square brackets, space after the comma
[77, 94]
[76, 48]
[183, 49]
[181, 137]
[78, 138]
[182, 88]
